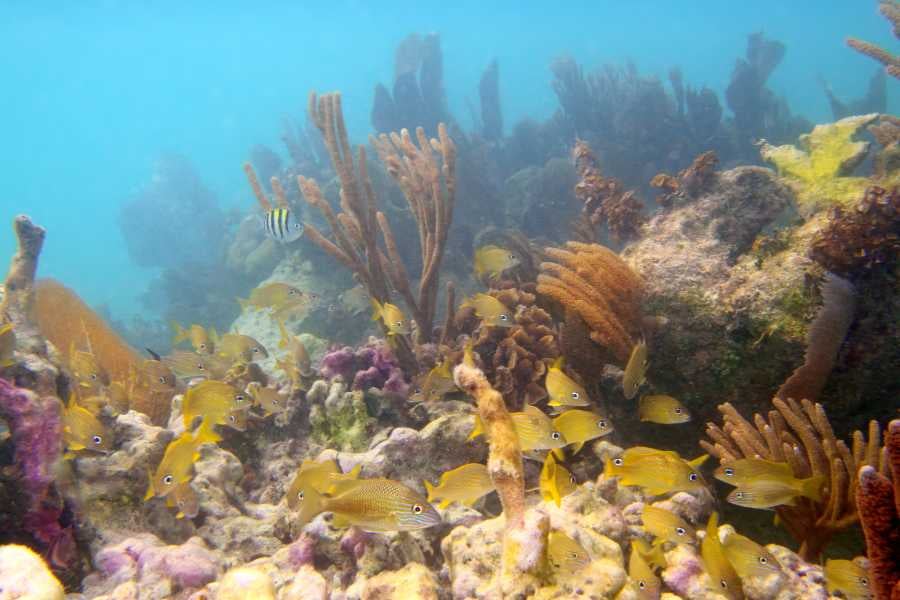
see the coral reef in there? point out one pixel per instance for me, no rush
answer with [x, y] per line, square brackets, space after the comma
[24, 575]
[372, 365]
[878, 501]
[874, 101]
[820, 170]
[339, 418]
[800, 434]
[890, 9]
[689, 183]
[18, 290]
[605, 201]
[593, 282]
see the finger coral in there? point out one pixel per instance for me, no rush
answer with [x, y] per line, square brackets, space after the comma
[591, 281]
[879, 512]
[820, 170]
[800, 434]
[890, 9]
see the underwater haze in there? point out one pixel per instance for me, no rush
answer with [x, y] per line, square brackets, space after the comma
[98, 91]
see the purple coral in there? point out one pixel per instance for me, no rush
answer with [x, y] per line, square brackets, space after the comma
[372, 365]
[37, 439]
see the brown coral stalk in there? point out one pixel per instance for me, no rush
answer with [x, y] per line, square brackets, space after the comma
[504, 455]
[809, 446]
[18, 295]
[879, 512]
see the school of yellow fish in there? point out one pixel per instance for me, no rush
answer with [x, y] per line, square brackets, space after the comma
[382, 505]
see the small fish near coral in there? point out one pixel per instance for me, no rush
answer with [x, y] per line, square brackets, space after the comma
[282, 225]
[562, 389]
[661, 409]
[393, 319]
[465, 484]
[635, 373]
[493, 261]
[490, 310]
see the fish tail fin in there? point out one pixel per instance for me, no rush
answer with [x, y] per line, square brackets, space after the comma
[179, 333]
[812, 487]
[151, 491]
[477, 430]
[206, 434]
[313, 503]
[429, 489]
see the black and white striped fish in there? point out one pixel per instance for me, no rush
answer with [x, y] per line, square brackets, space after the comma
[282, 225]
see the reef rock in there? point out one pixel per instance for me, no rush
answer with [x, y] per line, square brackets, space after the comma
[413, 582]
[23, 574]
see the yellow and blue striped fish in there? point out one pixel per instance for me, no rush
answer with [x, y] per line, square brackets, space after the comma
[282, 225]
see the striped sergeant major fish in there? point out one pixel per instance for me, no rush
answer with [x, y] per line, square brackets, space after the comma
[282, 225]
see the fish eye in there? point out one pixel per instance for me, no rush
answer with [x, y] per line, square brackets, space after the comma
[763, 560]
[417, 508]
[200, 367]
[300, 495]
[576, 395]
[94, 376]
[555, 435]
[168, 479]
[572, 479]
[678, 411]
[601, 424]
[729, 472]
[693, 477]
[162, 379]
[618, 462]
[291, 292]
[512, 256]
[724, 584]
[504, 317]
[275, 402]
[203, 346]
[680, 530]
[255, 349]
[239, 398]
[739, 495]
[232, 418]
[641, 584]
[573, 555]
[864, 581]
[398, 323]
[97, 440]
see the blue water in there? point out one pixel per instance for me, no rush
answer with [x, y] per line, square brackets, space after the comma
[94, 92]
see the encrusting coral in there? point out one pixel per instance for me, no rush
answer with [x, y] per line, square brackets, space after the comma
[878, 500]
[799, 433]
[820, 170]
[890, 9]
[591, 281]
[504, 459]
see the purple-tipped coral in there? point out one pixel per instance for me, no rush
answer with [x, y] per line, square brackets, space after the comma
[372, 365]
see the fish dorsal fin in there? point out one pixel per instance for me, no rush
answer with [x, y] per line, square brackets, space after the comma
[697, 462]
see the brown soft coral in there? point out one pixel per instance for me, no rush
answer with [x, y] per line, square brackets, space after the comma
[800, 434]
[689, 182]
[605, 199]
[516, 358]
[879, 512]
[591, 281]
[863, 238]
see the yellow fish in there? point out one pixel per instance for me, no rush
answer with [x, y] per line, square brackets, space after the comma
[534, 429]
[636, 370]
[7, 345]
[190, 365]
[280, 297]
[465, 484]
[652, 555]
[184, 498]
[82, 430]
[490, 310]
[158, 376]
[657, 472]
[565, 554]
[319, 476]
[748, 558]
[848, 578]
[437, 383]
[176, 466]
[764, 493]
[641, 574]
[724, 579]
[297, 353]
[747, 470]
[664, 410]
[580, 426]
[212, 400]
[195, 334]
[493, 261]
[393, 318]
[236, 347]
[562, 389]
[86, 370]
[237, 420]
[375, 505]
[556, 482]
[666, 526]
[267, 398]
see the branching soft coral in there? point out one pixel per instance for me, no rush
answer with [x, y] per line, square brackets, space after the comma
[820, 170]
[890, 9]
[800, 434]
[591, 281]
